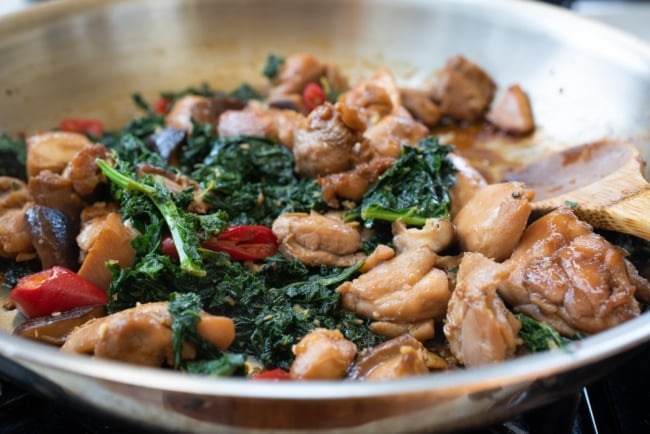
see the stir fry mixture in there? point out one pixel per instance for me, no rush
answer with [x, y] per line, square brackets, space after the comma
[302, 228]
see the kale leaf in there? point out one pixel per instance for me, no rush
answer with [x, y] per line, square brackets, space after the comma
[13, 155]
[538, 336]
[253, 180]
[272, 66]
[413, 190]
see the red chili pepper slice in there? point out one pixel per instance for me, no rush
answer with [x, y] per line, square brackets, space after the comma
[162, 106]
[56, 289]
[241, 243]
[272, 374]
[93, 127]
[313, 95]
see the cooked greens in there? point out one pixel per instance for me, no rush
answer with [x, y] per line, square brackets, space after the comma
[13, 153]
[413, 190]
[538, 336]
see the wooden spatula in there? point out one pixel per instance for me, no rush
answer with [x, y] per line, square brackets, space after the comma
[603, 182]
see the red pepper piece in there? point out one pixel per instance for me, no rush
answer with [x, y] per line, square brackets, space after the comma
[56, 289]
[92, 127]
[313, 95]
[272, 374]
[244, 243]
[241, 243]
[162, 106]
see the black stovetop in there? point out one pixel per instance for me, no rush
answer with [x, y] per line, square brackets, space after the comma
[616, 404]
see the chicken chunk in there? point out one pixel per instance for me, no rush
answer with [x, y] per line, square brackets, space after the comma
[315, 239]
[436, 234]
[15, 200]
[388, 135]
[55, 191]
[404, 289]
[324, 144]
[492, 221]
[259, 121]
[564, 274]
[354, 183]
[421, 106]
[370, 100]
[463, 90]
[322, 355]
[402, 356]
[296, 72]
[512, 112]
[468, 182]
[478, 326]
[52, 151]
[102, 240]
[82, 170]
[201, 109]
[142, 335]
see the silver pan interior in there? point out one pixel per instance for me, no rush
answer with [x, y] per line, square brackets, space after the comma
[586, 82]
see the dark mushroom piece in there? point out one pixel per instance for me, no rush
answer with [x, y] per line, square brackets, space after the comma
[54, 329]
[53, 235]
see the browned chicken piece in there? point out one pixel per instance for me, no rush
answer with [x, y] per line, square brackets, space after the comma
[52, 151]
[201, 109]
[405, 289]
[102, 240]
[274, 123]
[316, 239]
[55, 191]
[478, 326]
[420, 330]
[468, 182]
[15, 200]
[142, 335]
[296, 72]
[176, 183]
[370, 100]
[322, 355]
[436, 234]
[492, 221]
[324, 144]
[402, 356]
[463, 90]
[512, 112]
[419, 103]
[82, 170]
[642, 285]
[565, 275]
[354, 183]
[387, 136]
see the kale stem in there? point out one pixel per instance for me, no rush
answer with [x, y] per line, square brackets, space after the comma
[167, 208]
[379, 213]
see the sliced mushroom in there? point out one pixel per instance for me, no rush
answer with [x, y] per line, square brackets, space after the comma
[403, 356]
[54, 329]
[53, 235]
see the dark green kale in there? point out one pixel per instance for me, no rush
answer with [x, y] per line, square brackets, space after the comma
[538, 336]
[413, 190]
[183, 226]
[245, 92]
[185, 310]
[13, 154]
[226, 365]
[253, 180]
[268, 327]
[272, 66]
[11, 271]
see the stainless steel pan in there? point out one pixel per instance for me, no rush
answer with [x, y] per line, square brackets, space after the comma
[65, 58]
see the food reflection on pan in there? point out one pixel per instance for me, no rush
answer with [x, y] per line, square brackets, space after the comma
[303, 228]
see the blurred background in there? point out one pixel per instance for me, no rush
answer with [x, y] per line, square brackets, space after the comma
[632, 16]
